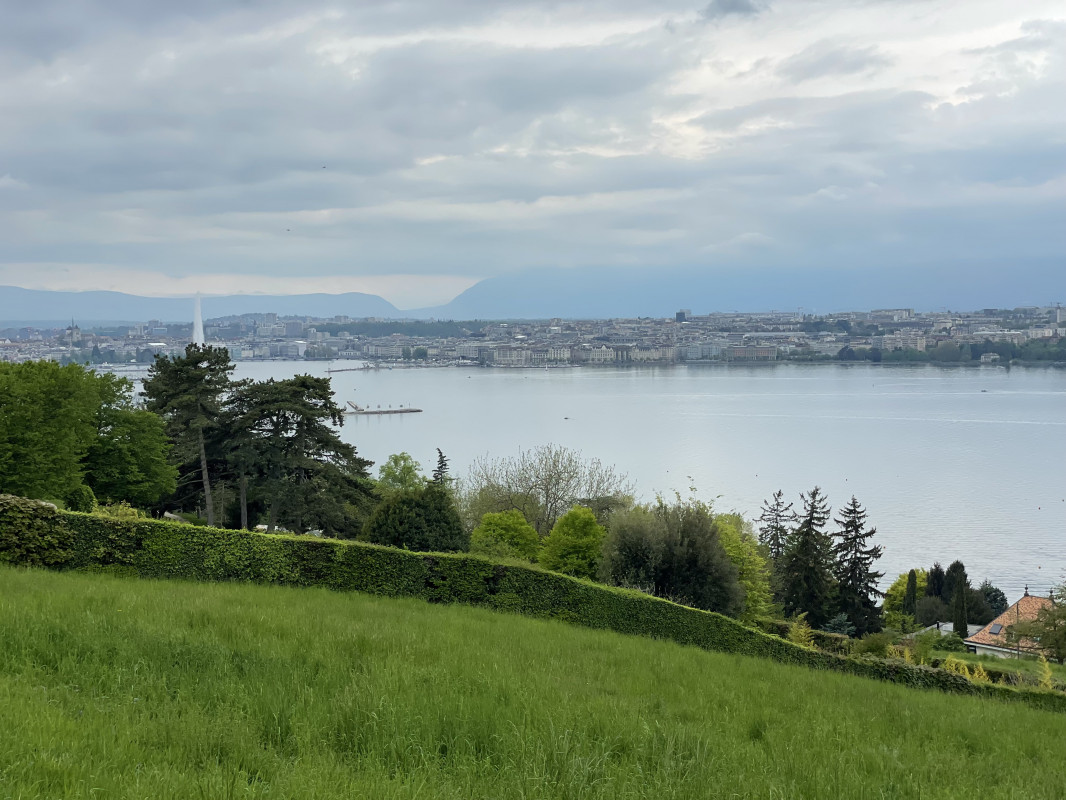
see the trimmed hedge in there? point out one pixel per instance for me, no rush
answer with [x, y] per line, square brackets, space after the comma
[35, 534]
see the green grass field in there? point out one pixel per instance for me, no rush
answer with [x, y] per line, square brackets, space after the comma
[118, 688]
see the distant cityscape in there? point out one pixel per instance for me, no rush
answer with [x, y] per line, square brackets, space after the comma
[987, 336]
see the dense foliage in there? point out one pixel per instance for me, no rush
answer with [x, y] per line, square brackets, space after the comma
[505, 534]
[64, 428]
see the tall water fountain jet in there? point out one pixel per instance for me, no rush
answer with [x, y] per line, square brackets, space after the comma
[198, 324]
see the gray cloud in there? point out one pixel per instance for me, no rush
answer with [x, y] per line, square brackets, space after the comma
[474, 138]
[717, 9]
[825, 58]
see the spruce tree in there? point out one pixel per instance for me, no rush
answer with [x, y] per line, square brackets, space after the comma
[857, 591]
[807, 564]
[934, 584]
[910, 596]
[440, 474]
[777, 521]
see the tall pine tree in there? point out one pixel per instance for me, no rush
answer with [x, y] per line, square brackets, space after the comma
[188, 392]
[857, 591]
[806, 572]
[777, 521]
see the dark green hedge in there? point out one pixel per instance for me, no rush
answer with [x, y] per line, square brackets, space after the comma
[34, 534]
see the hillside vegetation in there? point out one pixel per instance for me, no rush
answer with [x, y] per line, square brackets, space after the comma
[127, 689]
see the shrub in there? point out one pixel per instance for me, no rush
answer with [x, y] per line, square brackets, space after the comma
[34, 534]
[573, 546]
[424, 519]
[80, 498]
[839, 624]
[957, 666]
[799, 632]
[873, 644]
[122, 510]
[507, 534]
[979, 674]
[951, 643]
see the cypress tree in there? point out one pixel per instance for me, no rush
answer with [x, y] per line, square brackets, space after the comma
[910, 596]
[953, 579]
[958, 608]
[440, 474]
[807, 565]
[856, 578]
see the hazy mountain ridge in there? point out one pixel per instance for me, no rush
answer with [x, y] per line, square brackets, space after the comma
[18, 304]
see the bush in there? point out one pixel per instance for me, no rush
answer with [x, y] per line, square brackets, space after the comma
[505, 534]
[873, 644]
[122, 510]
[80, 498]
[951, 643]
[424, 519]
[799, 632]
[34, 534]
[573, 546]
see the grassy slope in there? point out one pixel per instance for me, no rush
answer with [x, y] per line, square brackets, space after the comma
[149, 689]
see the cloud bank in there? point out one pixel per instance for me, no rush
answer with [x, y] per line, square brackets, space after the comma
[413, 149]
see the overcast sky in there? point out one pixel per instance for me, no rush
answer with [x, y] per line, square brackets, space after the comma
[410, 149]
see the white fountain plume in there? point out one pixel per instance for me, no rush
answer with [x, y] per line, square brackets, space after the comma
[198, 324]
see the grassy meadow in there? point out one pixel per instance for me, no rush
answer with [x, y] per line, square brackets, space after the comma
[118, 688]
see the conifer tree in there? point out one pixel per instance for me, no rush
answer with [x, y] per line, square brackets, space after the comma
[777, 521]
[934, 584]
[910, 596]
[953, 579]
[958, 607]
[807, 564]
[857, 591]
[188, 391]
[440, 474]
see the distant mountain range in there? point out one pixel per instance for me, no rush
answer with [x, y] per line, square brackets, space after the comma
[591, 293]
[39, 307]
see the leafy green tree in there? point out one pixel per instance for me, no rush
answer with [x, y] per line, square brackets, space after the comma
[856, 578]
[892, 609]
[47, 425]
[188, 392]
[753, 572]
[400, 473]
[129, 460]
[931, 610]
[542, 483]
[910, 597]
[807, 583]
[674, 551]
[307, 473]
[777, 521]
[573, 547]
[422, 519]
[505, 533]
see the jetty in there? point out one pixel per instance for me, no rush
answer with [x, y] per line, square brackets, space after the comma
[354, 408]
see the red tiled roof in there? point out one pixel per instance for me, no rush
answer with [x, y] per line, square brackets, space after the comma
[1025, 610]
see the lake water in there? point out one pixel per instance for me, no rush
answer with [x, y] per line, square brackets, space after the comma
[965, 463]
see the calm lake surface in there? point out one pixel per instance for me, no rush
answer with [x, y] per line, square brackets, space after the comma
[965, 463]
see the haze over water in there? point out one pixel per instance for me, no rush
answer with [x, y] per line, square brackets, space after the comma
[965, 463]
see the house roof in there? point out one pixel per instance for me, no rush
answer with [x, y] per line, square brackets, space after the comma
[1026, 609]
